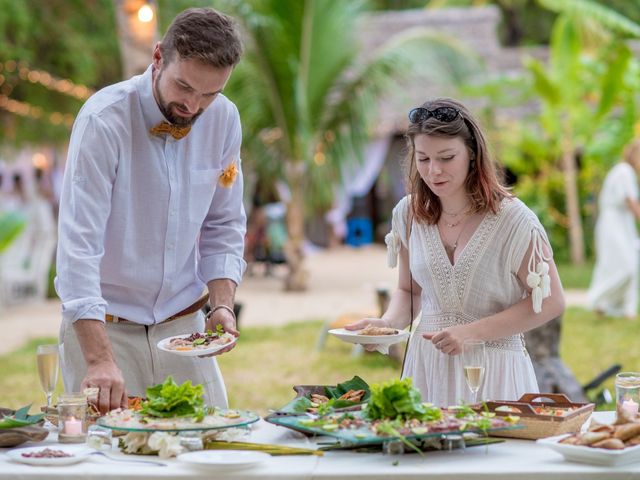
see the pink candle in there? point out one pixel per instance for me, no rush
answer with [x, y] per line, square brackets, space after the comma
[630, 407]
[73, 426]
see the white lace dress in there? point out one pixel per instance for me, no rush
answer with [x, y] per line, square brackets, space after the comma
[614, 286]
[482, 282]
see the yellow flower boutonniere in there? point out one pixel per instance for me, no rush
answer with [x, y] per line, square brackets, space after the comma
[229, 174]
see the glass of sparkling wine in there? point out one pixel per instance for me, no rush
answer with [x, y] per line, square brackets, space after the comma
[473, 360]
[47, 356]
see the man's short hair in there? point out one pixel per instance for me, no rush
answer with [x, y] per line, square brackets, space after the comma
[204, 34]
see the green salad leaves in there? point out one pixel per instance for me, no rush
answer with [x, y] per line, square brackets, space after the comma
[399, 399]
[169, 399]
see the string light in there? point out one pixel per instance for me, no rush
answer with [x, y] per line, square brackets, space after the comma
[145, 13]
[27, 110]
[50, 82]
[40, 161]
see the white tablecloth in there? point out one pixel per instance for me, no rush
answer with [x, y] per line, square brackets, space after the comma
[513, 459]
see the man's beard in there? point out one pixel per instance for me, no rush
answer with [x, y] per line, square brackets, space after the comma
[166, 107]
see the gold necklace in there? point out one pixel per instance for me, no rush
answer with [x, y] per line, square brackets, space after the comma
[451, 249]
[454, 224]
[457, 222]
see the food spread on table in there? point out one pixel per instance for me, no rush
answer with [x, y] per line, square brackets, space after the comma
[172, 407]
[394, 410]
[353, 412]
[609, 437]
[539, 410]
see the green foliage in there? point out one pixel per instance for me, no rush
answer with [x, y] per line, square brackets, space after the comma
[398, 399]
[356, 383]
[169, 399]
[306, 104]
[20, 418]
[73, 39]
[589, 101]
[591, 11]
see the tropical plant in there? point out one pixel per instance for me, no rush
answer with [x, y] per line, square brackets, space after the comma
[307, 94]
[585, 86]
[585, 104]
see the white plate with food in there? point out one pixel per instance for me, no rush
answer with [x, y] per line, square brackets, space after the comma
[371, 335]
[592, 455]
[54, 455]
[225, 459]
[217, 418]
[195, 344]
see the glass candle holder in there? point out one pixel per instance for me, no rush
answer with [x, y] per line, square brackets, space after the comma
[627, 394]
[72, 418]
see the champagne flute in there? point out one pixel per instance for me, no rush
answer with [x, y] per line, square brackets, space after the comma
[473, 360]
[47, 356]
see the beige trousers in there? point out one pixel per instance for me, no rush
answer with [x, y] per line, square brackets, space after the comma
[140, 361]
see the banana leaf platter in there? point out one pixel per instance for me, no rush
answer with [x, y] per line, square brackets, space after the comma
[303, 402]
[352, 428]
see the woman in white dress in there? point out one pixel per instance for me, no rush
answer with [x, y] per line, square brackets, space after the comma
[614, 286]
[474, 258]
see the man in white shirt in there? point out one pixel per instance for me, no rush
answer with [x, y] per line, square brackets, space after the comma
[151, 212]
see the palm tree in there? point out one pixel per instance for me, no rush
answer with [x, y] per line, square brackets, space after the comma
[305, 93]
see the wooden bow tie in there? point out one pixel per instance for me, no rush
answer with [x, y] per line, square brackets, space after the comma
[176, 131]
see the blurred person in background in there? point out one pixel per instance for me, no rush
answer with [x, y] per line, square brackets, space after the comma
[614, 285]
[473, 259]
[151, 215]
[27, 261]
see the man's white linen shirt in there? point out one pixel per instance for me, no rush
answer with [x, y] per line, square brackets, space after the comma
[144, 222]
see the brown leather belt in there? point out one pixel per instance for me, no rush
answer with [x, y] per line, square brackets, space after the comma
[197, 305]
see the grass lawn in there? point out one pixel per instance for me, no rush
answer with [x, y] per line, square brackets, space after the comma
[575, 276]
[267, 362]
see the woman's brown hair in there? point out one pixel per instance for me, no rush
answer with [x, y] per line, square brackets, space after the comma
[482, 183]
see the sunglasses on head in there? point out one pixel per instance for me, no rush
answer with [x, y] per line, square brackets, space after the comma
[442, 114]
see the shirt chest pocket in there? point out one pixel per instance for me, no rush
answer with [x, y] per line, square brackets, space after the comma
[202, 185]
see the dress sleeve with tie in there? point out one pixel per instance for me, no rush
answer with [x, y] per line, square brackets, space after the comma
[529, 236]
[397, 237]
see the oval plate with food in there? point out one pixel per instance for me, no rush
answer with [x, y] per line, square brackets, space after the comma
[54, 455]
[371, 335]
[196, 344]
[588, 454]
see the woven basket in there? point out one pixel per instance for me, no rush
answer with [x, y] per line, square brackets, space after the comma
[537, 425]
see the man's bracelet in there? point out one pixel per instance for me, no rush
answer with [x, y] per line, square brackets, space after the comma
[224, 307]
